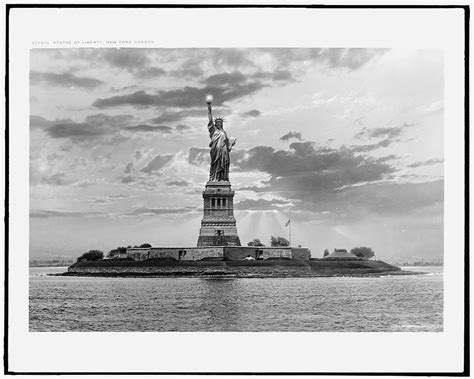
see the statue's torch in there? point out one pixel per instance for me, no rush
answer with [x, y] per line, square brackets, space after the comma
[209, 99]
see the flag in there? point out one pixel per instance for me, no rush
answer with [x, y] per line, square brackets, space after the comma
[287, 223]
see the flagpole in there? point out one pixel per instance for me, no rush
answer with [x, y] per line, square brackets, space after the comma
[290, 231]
[289, 211]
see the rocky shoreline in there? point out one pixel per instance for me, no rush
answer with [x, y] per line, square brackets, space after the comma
[275, 268]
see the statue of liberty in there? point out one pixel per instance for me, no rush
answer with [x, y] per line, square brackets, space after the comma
[220, 146]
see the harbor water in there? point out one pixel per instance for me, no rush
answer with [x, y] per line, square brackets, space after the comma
[412, 303]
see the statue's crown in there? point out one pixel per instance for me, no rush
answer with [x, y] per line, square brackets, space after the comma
[221, 119]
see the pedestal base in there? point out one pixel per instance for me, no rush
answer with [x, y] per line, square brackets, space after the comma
[218, 225]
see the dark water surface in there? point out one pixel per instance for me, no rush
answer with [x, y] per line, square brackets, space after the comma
[393, 303]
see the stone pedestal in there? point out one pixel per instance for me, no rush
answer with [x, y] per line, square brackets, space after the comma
[218, 226]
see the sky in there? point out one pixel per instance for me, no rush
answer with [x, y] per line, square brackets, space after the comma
[347, 143]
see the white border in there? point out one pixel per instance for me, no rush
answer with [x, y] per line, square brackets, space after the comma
[243, 352]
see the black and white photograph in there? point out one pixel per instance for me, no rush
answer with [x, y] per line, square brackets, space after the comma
[236, 164]
[237, 187]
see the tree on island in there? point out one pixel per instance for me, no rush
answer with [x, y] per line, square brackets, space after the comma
[116, 252]
[279, 241]
[143, 245]
[326, 252]
[363, 252]
[91, 255]
[255, 242]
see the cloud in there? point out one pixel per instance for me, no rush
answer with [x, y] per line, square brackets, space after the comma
[74, 131]
[135, 61]
[186, 97]
[198, 156]
[335, 58]
[372, 146]
[124, 88]
[182, 127]
[143, 211]
[66, 147]
[252, 113]
[99, 201]
[63, 80]
[386, 132]
[320, 178]
[289, 135]
[261, 204]
[389, 198]
[178, 183]
[226, 78]
[389, 133]
[119, 196]
[128, 168]
[46, 213]
[188, 63]
[101, 119]
[237, 78]
[38, 122]
[187, 72]
[126, 59]
[429, 162]
[352, 204]
[231, 85]
[79, 162]
[94, 126]
[137, 155]
[311, 167]
[350, 58]
[54, 157]
[127, 179]
[191, 61]
[171, 116]
[107, 199]
[155, 164]
[277, 76]
[150, 73]
[433, 108]
[282, 58]
[84, 183]
[175, 116]
[230, 57]
[150, 128]
[387, 158]
[224, 86]
[282, 75]
[55, 179]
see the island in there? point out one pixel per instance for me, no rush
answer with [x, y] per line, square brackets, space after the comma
[218, 252]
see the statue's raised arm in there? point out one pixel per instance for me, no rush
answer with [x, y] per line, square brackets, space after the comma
[210, 125]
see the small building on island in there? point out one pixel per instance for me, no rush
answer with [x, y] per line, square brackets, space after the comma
[341, 254]
[226, 253]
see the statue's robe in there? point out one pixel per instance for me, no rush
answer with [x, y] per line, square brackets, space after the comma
[220, 160]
